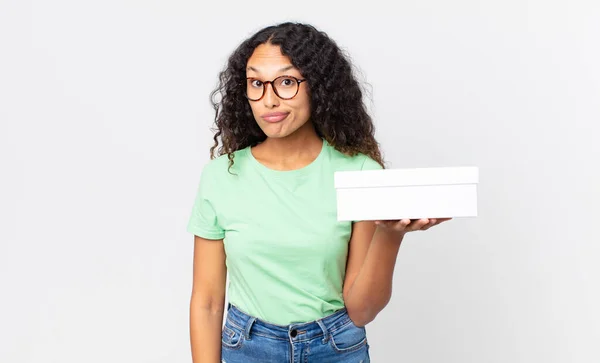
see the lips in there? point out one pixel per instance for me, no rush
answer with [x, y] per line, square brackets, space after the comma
[274, 116]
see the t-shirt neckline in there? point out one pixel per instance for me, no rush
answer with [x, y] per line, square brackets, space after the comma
[285, 173]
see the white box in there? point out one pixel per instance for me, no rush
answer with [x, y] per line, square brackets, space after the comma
[446, 192]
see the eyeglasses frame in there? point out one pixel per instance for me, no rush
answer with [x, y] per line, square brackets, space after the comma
[298, 82]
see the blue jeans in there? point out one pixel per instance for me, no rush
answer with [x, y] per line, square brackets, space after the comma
[333, 339]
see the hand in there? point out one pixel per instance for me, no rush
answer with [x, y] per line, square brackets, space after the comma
[410, 225]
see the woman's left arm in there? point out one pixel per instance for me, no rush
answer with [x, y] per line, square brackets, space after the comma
[372, 255]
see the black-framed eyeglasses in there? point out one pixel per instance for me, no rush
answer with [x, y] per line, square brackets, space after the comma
[285, 87]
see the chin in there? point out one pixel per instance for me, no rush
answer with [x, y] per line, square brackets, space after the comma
[276, 131]
[277, 135]
[281, 130]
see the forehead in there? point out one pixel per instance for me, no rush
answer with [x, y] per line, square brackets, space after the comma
[267, 59]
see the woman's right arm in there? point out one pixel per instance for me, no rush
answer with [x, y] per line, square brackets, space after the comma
[208, 300]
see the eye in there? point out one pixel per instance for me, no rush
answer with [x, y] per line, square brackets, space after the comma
[287, 82]
[256, 83]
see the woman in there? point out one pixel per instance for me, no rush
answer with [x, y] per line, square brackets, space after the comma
[302, 285]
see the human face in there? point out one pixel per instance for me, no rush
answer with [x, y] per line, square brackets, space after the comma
[277, 117]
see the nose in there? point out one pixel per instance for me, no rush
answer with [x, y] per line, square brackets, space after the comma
[270, 99]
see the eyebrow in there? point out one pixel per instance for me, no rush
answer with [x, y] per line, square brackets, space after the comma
[284, 69]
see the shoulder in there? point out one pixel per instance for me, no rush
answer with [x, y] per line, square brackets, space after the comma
[359, 161]
[219, 167]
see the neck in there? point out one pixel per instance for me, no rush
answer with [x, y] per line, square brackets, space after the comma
[291, 151]
[299, 142]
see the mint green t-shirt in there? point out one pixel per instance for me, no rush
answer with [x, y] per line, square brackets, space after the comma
[286, 251]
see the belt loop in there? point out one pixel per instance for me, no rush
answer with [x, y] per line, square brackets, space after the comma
[325, 332]
[249, 324]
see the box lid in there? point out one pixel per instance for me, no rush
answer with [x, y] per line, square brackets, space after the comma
[406, 177]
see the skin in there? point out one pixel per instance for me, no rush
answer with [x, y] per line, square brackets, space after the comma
[292, 144]
[372, 253]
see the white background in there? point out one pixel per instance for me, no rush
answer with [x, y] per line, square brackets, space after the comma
[105, 128]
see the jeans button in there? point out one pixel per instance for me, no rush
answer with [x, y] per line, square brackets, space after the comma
[294, 333]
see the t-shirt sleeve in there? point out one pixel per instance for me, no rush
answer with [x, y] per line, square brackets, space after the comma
[203, 221]
[370, 164]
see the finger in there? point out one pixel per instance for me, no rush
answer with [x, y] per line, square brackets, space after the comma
[418, 224]
[388, 223]
[438, 221]
[441, 220]
[400, 225]
[432, 222]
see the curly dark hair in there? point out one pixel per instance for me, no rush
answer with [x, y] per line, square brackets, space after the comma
[337, 109]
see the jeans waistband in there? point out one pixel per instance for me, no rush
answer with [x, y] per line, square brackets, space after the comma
[296, 332]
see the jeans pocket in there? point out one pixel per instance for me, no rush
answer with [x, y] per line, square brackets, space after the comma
[348, 338]
[231, 337]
